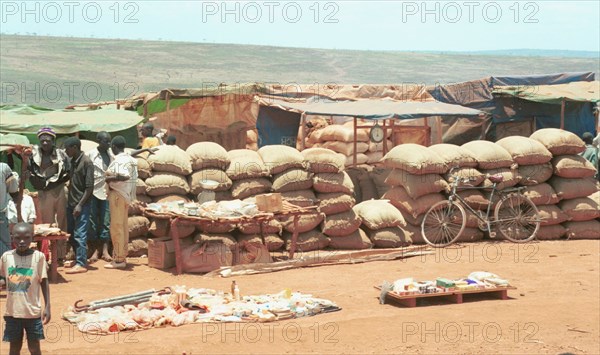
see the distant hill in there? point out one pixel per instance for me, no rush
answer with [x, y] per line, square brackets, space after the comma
[58, 71]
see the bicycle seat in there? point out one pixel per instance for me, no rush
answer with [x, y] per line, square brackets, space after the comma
[496, 178]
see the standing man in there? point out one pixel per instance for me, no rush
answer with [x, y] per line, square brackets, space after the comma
[121, 178]
[150, 141]
[78, 202]
[49, 171]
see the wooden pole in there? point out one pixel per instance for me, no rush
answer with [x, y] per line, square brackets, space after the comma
[302, 131]
[440, 134]
[384, 138]
[354, 143]
[562, 114]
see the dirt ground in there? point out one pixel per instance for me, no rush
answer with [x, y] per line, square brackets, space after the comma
[556, 308]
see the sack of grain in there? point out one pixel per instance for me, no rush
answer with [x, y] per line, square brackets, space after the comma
[573, 188]
[138, 226]
[144, 198]
[414, 233]
[417, 185]
[551, 215]
[245, 164]
[475, 198]
[525, 151]
[160, 228]
[140, 187]
[378, 147]
[165, 184]
[217, 175]
[374, 157]
[573, 166]
[292, 180]
[251, 227]
[402, 200]
[341, 224]
[137, 247]
[334, 203]
[205, 155]
[302, 198]
[344, 148]
[355, 174]
[558, 141]
[279, 158]
[170, 159]
[360, 160]
[217, 226]
[223, 196]
[583, 230]
[321, 160]
[169, 198]
[534, 174]
[511, 177]
[248, 253]
[306, 222]
[225, 239]
[582, 208]
[489, 155]
[553, 232]
[308, 241]
[415, 221]
[414, 158]
[136, 208]
[467, 176]
[342, 134]
[357, 240]
[240, 189]
[333, 182]
[143, 168]
[392, 237]
[542, 194]
[368, 189]
[454, 155]
[378, 214]
[201, 258]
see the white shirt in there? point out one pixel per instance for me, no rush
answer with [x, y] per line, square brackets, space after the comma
[99, 172]
[125, 165]
[27, 210]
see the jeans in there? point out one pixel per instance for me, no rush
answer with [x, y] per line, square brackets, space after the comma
[99, 221]
[5, 244]
[78, 228]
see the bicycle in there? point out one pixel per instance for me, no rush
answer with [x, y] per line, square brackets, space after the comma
[515, 216]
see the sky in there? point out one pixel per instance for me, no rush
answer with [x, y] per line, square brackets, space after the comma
[361, 25]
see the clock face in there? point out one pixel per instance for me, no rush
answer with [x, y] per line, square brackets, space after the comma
[376, 134]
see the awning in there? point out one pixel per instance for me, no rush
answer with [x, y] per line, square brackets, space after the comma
[581, 91]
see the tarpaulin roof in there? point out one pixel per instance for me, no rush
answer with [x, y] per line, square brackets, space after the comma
[371, 109]
[582, 91]
[24, 119]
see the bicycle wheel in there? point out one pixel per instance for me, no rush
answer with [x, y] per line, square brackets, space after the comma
[443, 223]
[517, 218]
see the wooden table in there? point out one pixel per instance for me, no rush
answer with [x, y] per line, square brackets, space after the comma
[410, 300]
[53, 252]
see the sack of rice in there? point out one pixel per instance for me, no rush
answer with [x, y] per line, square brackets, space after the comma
[414, 158]
[170, 159]
[225, 239]
[217, 226]
[357, 240]
[307, 241]
[334, 203]
[378, 147]
[551, 215]
[475, 199]
[244, 254]
[489, 155]
[138, 226]
[279, 158]
[137, 247]
[306, 222]
[558, 141]
[542, 194]
[415, 221]
[197, 177]
[417, 185]
[573, 166]
[292, 180]
[136, 208]
[360, 159]
[467, 176]
[170, 198]
[251, 227]
[344, 148]
[525, 151]
[140, 187]
[454, 155]
[402, 200]
[333, 182]
[240, 189]
[341, 224]
[553, 232]
[160, 228]
[583, 230]
[143, 168]
[534, 174]
[374, 157]
[573, 188]
[144, 198]
[165, 184]
[582, 208]
[510, 177]
[342, 134]
[392, 237]
[206, 257]
[245, 164]
[322, 160]
[205, 155]
[378, 214]
[302, 198]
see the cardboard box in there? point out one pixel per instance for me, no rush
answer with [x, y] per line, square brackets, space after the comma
[161, 251]
[269, 202]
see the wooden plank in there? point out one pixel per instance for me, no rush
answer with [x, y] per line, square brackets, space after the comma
[456, 296]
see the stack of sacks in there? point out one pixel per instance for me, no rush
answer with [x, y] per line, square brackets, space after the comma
[170, 167]
[294, 182]
[573, 181]
[340, 139]
[415, 182]
[209, 161]
[252, 140]
[144, 172]
[379, 176]
[535, 169]
[138, 226]
[493, 159]
[382, 222]
[355, 174]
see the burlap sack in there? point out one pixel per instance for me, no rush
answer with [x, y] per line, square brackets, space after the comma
[414, 158]
[136, 208]
[583, 208]
[558, 141]
[205, 155]
[355, 174]
[341, 224]
[573, 188]
[160, 228]
[379, 176]
[170, 159]
[209, 174]
[583, 230]
[137, 246]
[344, 148]
[360, 160]
[467, 177]
[511, 177]
[378, 214]
[335, 203]
[279, 158]
[416, 221]
[554, 232]
[206, 257]
[413, 232]
[143, 168]
[216, 226]
[225, 239]
[392, 237]
[475, 199]
[170, 198]
[374, 157]
[322, 160]
[273, 242]
[302, 198]
[525, 151]
[454, 155]
[306, 222]
[308, 241]
[144, 198]
[534, 174]
[333, 182]
[166, 184]
[357, 240]
[400, 198]
[417, 185]
[138, 226]
[378, 147]
[245, 164]
[240, 189]
[573, 166]
[551, 215]
[247, 253]
[251, 227]
[489, 155]
[368, 189]
[342, 134]
[140, 187]
[292, 180]
[223, 196]
[542, 194]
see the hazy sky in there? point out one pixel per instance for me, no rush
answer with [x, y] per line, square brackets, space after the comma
[367, 25]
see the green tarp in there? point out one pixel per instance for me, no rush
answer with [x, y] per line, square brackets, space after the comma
[580, 91]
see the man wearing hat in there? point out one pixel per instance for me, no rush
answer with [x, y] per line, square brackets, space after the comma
[49, 171]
